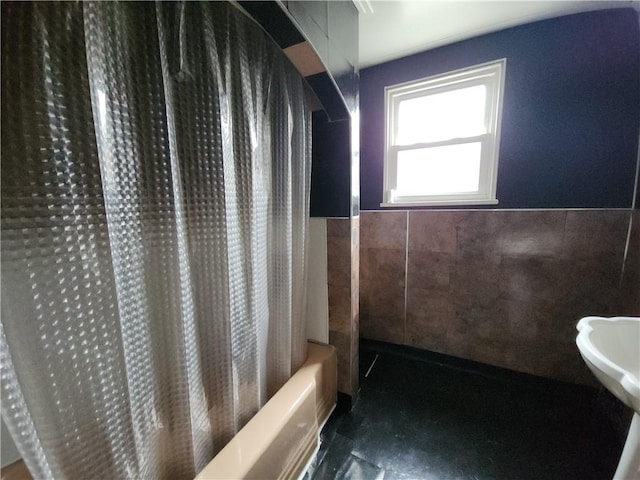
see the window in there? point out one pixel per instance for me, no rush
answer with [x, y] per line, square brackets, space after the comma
[442, 138]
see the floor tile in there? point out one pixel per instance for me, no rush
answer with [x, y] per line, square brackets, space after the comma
[432, 419]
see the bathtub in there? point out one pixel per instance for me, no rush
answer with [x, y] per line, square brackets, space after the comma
[281, 439]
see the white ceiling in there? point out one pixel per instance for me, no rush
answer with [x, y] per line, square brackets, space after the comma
[399, 28]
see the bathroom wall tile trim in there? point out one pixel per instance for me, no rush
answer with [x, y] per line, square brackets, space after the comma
[501, 287]
[339, 270]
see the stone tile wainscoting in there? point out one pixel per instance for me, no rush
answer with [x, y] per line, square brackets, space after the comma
[341, 294]
[502, 287]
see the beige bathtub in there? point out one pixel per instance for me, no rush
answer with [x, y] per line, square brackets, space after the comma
[281, 438]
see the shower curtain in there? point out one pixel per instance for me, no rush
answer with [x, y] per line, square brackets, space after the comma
[155, 191]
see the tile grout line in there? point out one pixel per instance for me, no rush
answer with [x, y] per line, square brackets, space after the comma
[626, 251]
[633, 206]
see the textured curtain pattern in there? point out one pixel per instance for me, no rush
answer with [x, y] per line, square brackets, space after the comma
[155, 186]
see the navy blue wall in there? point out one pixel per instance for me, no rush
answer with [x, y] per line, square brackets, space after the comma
[571, 111]
[330, 167]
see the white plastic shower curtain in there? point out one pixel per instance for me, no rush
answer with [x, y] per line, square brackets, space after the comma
[155, 190]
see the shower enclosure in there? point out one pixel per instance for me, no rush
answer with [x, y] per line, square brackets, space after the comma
[155, 191]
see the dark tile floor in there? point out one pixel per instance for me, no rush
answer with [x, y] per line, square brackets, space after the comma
[426, 416]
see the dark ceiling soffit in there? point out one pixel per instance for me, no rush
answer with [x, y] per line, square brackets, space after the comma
[274, 20]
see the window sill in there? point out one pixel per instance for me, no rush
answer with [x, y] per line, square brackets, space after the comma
[440, 203]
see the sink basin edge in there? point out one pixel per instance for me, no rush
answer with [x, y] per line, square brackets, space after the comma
[622, 383]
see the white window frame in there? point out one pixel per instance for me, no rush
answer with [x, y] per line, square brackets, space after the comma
[490, 74]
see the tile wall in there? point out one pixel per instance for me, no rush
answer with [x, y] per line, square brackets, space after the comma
[339, 271]
[502, 287]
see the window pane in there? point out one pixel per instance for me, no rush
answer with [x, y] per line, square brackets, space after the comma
[442, 116]
[439, 170]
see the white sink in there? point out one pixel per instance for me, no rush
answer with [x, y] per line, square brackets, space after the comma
[611, 349]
